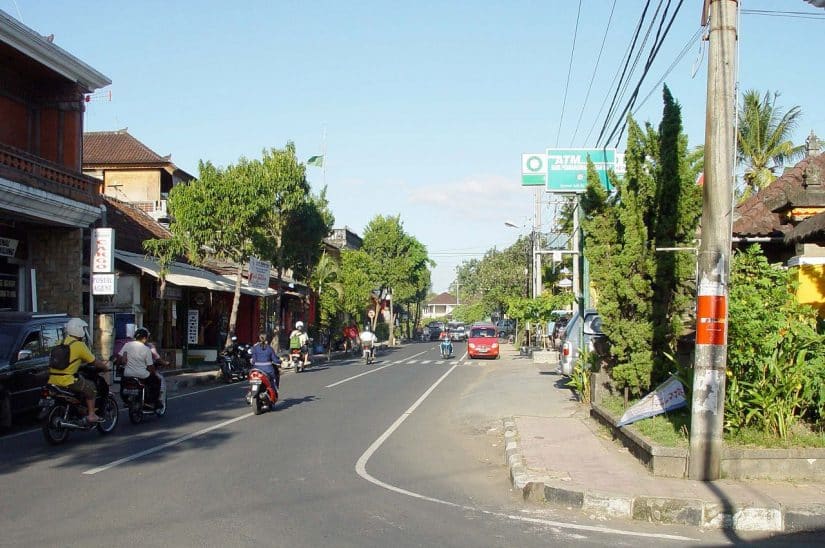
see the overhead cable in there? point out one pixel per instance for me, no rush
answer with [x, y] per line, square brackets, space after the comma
[569, 70]
[624, 70]
[593, 76]
[653, 53]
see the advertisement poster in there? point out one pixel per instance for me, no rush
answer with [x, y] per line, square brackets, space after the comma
[668, 396]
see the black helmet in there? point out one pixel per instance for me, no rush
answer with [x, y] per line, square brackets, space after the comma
[141, 333]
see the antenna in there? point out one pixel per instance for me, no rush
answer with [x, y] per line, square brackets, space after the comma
[103, 95]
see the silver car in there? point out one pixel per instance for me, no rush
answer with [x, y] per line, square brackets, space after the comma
[590, 330]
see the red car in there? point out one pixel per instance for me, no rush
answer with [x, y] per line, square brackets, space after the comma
[483, 341]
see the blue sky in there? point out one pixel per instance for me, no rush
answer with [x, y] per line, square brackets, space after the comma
[427, 105]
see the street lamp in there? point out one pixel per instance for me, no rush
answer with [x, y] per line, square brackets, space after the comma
[533, 261]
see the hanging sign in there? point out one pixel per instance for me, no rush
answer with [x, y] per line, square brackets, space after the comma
[8, 247]
[103, 250]
[192, 326]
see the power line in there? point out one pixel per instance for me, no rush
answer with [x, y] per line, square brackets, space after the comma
[676, 61]
[593, 76]
[653, 53]
[789, 14]
[624, 70]
[569, 70]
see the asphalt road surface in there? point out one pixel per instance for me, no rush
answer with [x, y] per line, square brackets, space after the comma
[405, 452]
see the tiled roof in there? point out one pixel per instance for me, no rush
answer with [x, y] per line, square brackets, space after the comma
[117, 147]
[762, 213]
[444, 298]
[132, 226]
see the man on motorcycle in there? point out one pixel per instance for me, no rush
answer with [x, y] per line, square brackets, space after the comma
[140, 364]
[299, 339]
[368, 340]
[265, 359]
[79, 354]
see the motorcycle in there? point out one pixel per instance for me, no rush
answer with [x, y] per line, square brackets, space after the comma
[262, 392]
[446, 347]
[369, 354]
[63, 411]
[235, 361]
[296, 359]
[133, 394]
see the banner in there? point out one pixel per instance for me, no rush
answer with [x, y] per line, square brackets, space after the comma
[258, 273]
[668, 396]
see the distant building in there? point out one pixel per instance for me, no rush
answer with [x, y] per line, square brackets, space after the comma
[441, 305]
[131, 172]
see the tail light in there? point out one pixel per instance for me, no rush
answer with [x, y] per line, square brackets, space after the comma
[565, 350]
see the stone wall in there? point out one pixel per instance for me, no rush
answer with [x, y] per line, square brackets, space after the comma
[57, 256]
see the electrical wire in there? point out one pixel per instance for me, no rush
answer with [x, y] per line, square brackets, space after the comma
[569, 71]
[673, 65]
[624, 70]
[653, 53]
[789, 14]
[593, 76]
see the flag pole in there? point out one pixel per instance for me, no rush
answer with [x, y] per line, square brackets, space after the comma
[324, 154]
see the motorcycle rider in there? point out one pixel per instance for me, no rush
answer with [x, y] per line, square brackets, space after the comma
[79, 354]
[265, 359]
[368, 340]
[140, 364]
[299, 339]
[446, 341]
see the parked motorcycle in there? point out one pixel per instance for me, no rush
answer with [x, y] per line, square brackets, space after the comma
[133, 394]
[446, 347]
[262, 392]
[63, 411]
[235, 361]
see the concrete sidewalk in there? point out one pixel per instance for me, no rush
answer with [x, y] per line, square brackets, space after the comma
[569, 460]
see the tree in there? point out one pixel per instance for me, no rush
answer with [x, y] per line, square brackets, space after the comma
[763, 139]
[326, 283]
[216, 216]
[644, 296]
[285, 192]
[677, 213]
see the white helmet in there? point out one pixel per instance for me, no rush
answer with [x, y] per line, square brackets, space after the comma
[76, 327]
[299, 325]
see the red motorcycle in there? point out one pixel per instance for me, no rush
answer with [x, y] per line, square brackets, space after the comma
[262, 393]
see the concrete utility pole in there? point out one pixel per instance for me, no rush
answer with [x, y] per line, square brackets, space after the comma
[708, 401]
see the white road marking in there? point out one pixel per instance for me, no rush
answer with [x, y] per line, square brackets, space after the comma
[361, 470]
[165, 445]
[373, 370]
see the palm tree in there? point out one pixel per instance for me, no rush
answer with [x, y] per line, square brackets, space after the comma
[763, 141]
[325, 280]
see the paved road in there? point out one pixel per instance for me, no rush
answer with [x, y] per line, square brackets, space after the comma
[406, 452]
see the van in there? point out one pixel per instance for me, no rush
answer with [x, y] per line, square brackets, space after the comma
[26, 339]
[590, 330]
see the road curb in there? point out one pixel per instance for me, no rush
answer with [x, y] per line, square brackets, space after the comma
[651, 509]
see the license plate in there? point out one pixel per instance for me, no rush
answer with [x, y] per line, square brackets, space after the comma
[255, 386]
[130, 391]
[46, 402]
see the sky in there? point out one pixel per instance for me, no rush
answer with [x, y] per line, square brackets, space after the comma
[423, 108]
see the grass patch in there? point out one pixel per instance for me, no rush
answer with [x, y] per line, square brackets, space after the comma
[673, 430]
[669, 430]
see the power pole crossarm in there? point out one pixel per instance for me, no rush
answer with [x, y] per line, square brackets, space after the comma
[713, 259]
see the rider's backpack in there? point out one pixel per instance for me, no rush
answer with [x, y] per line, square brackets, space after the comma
[59, 357]
[295, 341]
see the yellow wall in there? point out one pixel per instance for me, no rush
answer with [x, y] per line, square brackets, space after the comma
[134, 186]
[812, 286]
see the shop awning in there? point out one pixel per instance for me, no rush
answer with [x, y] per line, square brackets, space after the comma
[186, 275]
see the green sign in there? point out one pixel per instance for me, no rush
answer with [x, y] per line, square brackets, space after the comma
[567, 167]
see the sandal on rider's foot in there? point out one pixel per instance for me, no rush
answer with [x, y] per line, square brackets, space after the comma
[95, 419]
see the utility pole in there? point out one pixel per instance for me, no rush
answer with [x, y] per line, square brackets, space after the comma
[536, 241]
[713, 260]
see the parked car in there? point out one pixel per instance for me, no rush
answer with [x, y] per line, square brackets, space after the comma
[458, 332]
[483, 341]
[580, 334]
[26, 339]
[506, 327]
